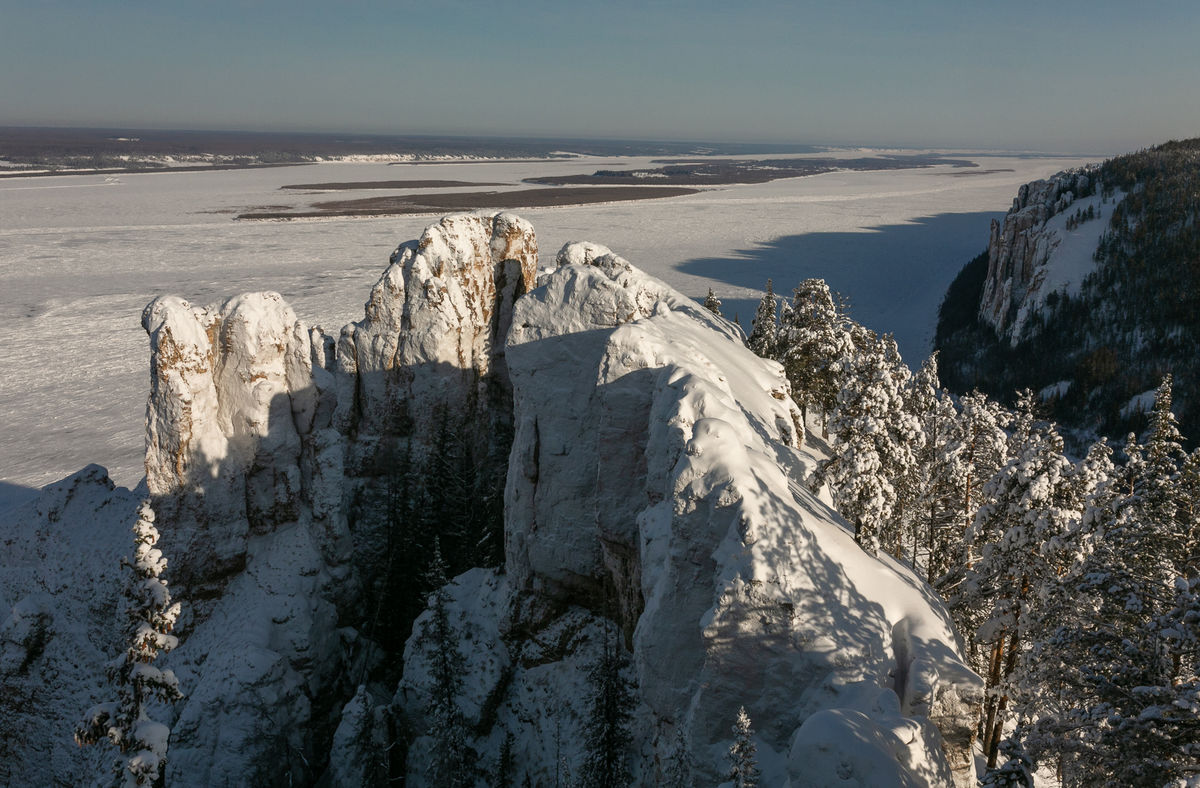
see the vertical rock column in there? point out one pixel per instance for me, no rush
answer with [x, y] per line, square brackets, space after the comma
[232, 399]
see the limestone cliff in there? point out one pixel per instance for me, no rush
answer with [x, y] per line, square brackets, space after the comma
[1020, 275]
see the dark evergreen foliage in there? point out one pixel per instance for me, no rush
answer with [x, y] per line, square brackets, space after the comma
[607, 729]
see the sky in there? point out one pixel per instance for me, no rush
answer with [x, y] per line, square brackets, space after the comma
[1063, 76]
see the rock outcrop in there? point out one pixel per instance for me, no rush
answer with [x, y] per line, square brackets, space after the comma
[655, 483]
[433, 334]
[653, 498]
[266, 444]
[1021, 246]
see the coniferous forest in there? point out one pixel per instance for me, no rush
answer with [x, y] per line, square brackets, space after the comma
[1072, 582]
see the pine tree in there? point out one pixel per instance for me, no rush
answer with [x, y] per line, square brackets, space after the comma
[151, 616]
[926, 495]
[812, 343]
[975, 449]
[876, 440]
[447, 727]
[1031, 506]
[607, 729]
[743, 755]
[763, 338]
[712, 303]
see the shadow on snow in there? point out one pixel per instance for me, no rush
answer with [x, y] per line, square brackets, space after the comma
[894, 275]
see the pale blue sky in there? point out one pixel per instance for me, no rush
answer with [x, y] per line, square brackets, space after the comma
[1092, 77]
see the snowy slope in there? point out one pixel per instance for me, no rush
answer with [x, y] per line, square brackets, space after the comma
[656, 465]
[60, 586]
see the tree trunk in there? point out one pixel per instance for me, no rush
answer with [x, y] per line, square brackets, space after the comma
[1009, 665]
[993, 681]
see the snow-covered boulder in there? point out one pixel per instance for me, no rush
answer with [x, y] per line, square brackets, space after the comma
[655, 480]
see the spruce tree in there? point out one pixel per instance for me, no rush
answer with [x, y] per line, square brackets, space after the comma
[150, 616]
[743, 755]
[812, 343]
[607, 735]
[712, 303]
[763, 338]
[1131, 645]
[876, 438]
[447, 727]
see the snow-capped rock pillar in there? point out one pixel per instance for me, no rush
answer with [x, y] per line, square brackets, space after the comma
[231, 399]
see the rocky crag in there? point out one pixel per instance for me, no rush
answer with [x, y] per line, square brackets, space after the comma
[1087, 295]
[653, 498]
[1020, 247]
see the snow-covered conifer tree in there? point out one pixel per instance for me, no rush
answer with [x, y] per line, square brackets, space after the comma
[678, 771]
[975, 449]
[743, 755]
[1129, 652]
[150, 616]
[1031, 505]
[1016, 770]
[876, 440]
[926, 495]
[712, 303]
[813, 341]
[763, 338]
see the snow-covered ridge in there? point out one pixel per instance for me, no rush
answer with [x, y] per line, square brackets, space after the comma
[657, 465]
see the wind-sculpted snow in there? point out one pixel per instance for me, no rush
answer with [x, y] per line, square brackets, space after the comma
[655, 479]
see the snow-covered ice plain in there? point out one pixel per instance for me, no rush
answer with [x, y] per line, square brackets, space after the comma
[80, 256]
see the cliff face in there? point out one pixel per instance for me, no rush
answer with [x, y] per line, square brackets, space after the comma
[1019, 274]
[433, 332]
[1088, 296]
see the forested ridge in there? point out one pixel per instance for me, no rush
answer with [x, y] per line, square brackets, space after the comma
[1133, 320]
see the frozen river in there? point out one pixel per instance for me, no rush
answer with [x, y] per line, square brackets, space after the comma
[80, 256]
